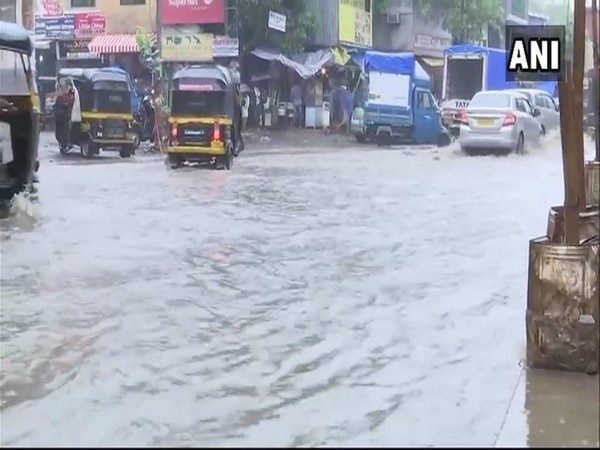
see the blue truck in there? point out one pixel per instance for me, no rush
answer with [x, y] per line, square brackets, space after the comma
[398, 106]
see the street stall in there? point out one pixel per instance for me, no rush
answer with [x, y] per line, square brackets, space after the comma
[314, 72]
[563, 312]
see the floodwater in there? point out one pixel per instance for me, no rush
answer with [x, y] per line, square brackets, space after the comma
[319, 295]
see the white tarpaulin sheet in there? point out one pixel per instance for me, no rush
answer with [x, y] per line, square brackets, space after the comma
[305, 64]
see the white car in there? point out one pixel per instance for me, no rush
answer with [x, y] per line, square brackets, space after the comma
[550, 112]
[499, 121]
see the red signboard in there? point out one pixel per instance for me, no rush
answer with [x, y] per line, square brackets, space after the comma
[181, 12]
[89, 24]
[51, 8]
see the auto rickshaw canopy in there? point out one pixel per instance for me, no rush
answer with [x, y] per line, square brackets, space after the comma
[15, 38]
[94, 76]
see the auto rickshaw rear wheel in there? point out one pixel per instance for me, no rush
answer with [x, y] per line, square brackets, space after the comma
[87, 150]
[126, 151]
[173, 161]
[225, 161]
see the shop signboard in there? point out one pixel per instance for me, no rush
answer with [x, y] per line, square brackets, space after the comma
[197, 12]
[89, 24]
[225, 47]
[277, 21]
[355, 23]
[76, 49]
[61, 26]
[190, 47]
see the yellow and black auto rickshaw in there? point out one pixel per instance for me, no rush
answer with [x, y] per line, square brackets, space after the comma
[19, 114]
[106, 115]
[203, 117]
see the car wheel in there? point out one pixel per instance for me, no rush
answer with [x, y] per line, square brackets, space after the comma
[520, 148]
[444, 140]
[468, 151]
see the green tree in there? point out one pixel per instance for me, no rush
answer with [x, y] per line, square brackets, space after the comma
[464, 19]
[148, 52]
[253, 20]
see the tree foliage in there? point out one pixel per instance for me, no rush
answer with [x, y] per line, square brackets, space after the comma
[253, 20]
[464, 19]
[149, 55]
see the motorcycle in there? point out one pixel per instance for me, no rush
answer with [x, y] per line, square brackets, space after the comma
[143, 122]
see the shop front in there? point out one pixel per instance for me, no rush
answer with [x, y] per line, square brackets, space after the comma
[429, 51]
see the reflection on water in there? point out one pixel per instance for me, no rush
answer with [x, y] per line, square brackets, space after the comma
[552, 408]
[563, 409]
[294, 300]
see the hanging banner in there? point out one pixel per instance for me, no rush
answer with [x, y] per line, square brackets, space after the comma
[193, 47]
[197, 12]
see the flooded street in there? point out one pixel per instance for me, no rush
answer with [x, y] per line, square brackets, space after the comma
[342, 295]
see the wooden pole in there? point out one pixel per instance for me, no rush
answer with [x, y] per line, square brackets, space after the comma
[571, 106]
[596, 72]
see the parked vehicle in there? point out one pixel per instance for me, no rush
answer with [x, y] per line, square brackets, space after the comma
[499, 121]
[550, 113]
[469, 69]
[143, 122]
[20, 110]
[399, 106]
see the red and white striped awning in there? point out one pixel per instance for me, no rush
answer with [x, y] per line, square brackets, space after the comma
[114, 43]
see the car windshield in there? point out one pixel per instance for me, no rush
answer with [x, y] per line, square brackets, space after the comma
[490, 100]
[527, 94]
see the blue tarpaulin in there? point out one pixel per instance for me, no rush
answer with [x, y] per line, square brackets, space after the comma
[401, 63]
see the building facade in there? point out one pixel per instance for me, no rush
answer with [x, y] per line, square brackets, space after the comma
[342, 22]
[122, 16]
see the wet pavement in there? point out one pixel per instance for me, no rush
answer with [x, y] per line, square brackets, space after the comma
[320, 293]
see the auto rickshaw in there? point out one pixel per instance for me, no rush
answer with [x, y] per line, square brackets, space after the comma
[19, 113]
[106, 113]
[204, 121]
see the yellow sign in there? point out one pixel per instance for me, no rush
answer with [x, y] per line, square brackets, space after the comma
[355, 23]
[195, 47]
